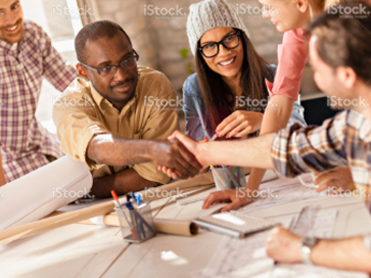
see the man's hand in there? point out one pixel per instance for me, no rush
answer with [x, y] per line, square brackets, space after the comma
[192, 146]
[239, 124]
[338, 180]
[238, 197]
[283, 246]
[172, 155]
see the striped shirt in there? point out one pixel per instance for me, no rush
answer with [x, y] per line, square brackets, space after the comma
[342, 140]
[23, 141]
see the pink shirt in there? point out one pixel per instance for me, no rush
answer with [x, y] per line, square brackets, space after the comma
[292, 57]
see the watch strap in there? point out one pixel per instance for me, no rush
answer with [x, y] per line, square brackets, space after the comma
[306, 249]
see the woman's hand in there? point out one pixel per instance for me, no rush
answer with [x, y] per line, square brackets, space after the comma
[239, 197]
[239, 124]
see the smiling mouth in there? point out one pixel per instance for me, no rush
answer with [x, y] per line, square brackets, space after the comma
[13, 28]
[226, 63]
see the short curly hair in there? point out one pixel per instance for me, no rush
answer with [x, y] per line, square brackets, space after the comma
[93, 32]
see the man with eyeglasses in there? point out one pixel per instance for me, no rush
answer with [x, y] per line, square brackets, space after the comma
[103, 118]
[26, 58]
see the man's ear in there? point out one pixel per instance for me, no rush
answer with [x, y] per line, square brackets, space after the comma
[82, 72]
[346, 76]
[302, 5]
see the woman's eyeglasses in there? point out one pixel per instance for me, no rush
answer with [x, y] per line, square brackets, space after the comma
[212, 49]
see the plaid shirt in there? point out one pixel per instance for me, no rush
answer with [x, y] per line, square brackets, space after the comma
[23, 141]
[342, 140]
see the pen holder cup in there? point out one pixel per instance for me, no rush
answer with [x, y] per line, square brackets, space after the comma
[141, 221]
[229, 178]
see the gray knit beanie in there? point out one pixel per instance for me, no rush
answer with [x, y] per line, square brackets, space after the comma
[209, 14]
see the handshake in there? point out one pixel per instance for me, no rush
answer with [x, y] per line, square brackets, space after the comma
[179, 157]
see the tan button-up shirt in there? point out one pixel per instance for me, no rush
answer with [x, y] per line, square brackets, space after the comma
[82, 112]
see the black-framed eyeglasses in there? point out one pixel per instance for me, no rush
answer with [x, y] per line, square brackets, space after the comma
[127, 63]
[212, 49]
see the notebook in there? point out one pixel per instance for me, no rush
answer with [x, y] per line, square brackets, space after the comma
[234, 223]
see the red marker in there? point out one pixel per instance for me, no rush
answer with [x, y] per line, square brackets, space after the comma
[132, 230]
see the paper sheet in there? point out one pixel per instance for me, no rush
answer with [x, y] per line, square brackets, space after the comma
[42, 191]
[233, 254]
[247, 257]
[324, 223]
[282, 195]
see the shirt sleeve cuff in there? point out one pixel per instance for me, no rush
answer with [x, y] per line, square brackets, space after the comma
[286, 88]
[282, 150]
[84, 151]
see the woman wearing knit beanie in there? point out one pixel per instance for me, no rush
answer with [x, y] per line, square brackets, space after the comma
[227, 95]
[289, 17]
[229, 78]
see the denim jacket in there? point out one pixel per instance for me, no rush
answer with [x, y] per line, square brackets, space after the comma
[198, 125]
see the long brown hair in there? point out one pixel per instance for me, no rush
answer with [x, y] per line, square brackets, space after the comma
[217, 95]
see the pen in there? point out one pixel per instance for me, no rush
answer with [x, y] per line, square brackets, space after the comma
[113, 193]
[137, 198]
[132, 216]
[231, 177]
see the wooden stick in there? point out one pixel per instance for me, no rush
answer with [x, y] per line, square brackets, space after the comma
[50, 223]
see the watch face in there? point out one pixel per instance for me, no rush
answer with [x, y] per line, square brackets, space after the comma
[310, 241]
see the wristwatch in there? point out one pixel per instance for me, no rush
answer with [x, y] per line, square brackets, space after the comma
[306, 249]
[367, 242]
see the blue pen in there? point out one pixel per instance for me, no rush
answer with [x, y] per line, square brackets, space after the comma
[138, 224]
[137, 198]
[133, 217]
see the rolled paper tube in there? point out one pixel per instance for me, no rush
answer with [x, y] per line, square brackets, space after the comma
[49, 223]
[167, 226]
[176, 227]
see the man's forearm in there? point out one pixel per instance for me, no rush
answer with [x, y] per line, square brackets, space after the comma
[116, 151]
[346, 254]
[122, 182]
[254, 152]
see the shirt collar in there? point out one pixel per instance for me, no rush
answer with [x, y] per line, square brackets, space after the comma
[9, 48]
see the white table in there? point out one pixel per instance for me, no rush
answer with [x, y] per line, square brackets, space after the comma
[95, 251]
